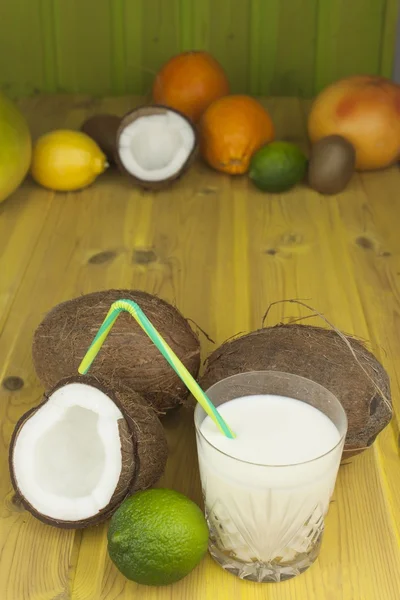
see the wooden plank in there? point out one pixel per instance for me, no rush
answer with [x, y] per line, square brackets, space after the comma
[27, 208]
[257, 248]
[264, 21]
[49, 45]
[283, 47]
[350, 38]
[388, 40]
[22, 44]
[297, 250]
[84, 49]
[160, 22]
[77, 262]
[22, 218]
[229, 40]
[118, 46]
[194, 21]
[373, 250]
[43, 568]
[277, 47]
[295, 54]
[133, 41]
[368, 249]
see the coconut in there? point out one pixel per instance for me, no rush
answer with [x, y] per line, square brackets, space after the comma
[128, 360]
[103, 129]
[155, 145]
[322, 356]
[76, 456]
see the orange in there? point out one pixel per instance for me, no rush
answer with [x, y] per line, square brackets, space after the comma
[366, 111]
[231, 130]
[190, 82]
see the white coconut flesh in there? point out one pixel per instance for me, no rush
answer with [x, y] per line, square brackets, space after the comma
[156, 147]
[67, 457]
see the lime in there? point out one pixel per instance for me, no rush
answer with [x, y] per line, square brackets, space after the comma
[65, 160]
[277, 167]
[156, 537]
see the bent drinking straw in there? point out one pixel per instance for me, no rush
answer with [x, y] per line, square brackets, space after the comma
[136, 312]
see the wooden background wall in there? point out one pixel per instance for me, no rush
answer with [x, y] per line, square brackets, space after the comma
[271, 47]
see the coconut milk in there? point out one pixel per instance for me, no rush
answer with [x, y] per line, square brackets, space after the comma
[265, 494]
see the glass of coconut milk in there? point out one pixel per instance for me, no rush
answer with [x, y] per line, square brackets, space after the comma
[267, 491]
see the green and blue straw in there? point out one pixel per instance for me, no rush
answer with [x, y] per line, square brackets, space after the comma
[136, 312]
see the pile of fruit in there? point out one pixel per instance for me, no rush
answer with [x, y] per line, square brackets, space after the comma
[354, 124]
[94, 446]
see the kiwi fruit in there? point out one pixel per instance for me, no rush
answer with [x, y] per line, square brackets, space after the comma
[331, 165]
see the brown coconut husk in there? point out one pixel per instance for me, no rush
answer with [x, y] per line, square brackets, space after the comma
[322, 356]
[128, 360]
[143, 445]
[151, 445]
[102, 128]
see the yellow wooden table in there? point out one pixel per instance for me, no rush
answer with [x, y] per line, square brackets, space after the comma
[207, 243]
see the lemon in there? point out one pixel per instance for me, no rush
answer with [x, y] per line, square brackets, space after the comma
[156, 537]
[66, 160]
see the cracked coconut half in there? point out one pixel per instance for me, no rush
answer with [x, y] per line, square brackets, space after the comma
[155, 145]
[75, 457]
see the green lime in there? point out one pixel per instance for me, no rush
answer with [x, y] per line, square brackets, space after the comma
[156, 537]
[277, 167]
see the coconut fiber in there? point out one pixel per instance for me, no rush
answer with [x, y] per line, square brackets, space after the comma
[128, 360]
[322, 356]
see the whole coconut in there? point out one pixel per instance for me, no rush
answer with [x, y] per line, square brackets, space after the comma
[128, 360]
[103, 130]
[322, 356]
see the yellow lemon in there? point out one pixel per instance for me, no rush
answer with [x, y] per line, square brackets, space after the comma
[66, 160]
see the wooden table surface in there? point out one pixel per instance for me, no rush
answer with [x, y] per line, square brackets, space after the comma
[222, 251]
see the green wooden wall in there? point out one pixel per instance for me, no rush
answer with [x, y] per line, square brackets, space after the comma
[271, 47]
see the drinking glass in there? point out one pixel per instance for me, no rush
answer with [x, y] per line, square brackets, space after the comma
[266, 522]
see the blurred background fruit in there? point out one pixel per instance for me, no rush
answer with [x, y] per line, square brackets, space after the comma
[15, 147]
[102, 128]
[66, 160]
[231, 130]
[190, 82]
[277, 167]
[331, 164]
[365, 110]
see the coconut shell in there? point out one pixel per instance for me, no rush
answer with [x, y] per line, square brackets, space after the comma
[322, 356]
[128, 360]
[151, 445]
[147, 111]
[143, 446]
[103, 129]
